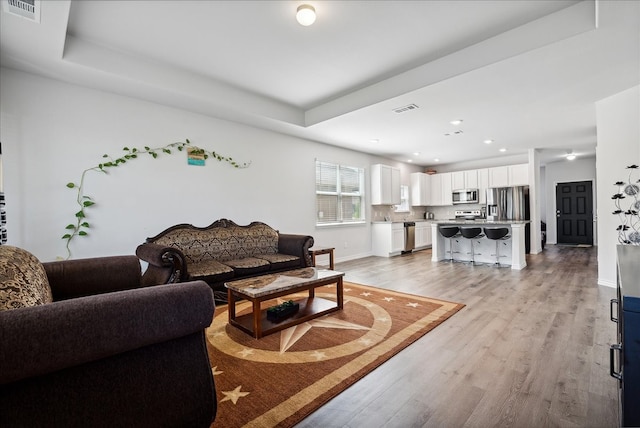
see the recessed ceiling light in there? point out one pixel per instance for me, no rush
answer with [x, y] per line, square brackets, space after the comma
[409, 160]
[456, 122]
[416, 153]
[436, 160]
[374, 141]
[571, 157]
[503, 149]
[488, 141]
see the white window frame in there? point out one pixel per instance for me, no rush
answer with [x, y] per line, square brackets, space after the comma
[340, 221]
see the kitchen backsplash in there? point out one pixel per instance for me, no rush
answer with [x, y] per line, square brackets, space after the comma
[382, 213]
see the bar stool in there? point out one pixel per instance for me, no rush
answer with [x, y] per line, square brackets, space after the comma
[497, 234]
[449, 232]
[471, 233]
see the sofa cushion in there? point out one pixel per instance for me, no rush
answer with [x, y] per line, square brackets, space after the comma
[23, 280]
[248, 266]
[210, 271]
[281, 261]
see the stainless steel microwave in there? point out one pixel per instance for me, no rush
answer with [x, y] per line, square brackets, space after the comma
[465, 196]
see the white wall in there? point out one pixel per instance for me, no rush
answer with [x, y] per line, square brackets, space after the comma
[51, 131]
[618, 147]
[563, 172]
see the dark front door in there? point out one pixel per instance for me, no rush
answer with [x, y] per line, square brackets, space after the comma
[574, 212]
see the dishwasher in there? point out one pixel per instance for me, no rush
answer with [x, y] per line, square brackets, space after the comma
[409, 236]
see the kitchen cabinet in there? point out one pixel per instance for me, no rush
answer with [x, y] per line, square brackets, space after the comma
[483, 184]
[385, 185]
[519, 175]
[387, 238]
[440, 190]
[423, 234]
[420, 189]
[627, 350]
[510, 175]
[499, 176]
[461, 180]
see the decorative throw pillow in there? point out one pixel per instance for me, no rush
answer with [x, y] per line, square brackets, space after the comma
[23, 280]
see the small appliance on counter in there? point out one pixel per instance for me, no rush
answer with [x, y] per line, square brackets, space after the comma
[429, 216]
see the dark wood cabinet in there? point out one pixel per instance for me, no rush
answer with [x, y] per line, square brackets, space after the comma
[625, 355]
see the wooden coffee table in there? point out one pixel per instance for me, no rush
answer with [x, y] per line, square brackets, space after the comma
[267, 287]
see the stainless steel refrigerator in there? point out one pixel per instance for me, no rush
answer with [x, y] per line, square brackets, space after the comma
[510, 203]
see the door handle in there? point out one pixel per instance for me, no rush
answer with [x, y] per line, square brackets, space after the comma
[611, 303]
[612, 352]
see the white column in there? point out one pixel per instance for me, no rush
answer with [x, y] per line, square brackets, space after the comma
[518, 259]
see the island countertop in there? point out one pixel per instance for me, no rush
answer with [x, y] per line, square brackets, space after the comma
[480, 221]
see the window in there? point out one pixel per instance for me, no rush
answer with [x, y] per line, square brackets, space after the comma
[404, 200]
[339, 194]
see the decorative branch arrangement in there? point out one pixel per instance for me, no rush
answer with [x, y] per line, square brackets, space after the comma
[79, 228]
[629, 228]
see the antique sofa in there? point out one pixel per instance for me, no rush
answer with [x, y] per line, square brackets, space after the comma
[221, 252]
[120, 355]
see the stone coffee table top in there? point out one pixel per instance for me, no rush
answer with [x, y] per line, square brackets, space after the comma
[277, 282]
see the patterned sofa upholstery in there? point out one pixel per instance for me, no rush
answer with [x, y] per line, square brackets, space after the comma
[84, 344]
[221, 252]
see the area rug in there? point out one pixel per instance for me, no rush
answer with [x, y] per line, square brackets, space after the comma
[279, 379]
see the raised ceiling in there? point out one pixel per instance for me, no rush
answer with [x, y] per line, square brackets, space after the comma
[525, 74]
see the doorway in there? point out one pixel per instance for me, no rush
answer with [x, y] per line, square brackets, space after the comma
[574, 213]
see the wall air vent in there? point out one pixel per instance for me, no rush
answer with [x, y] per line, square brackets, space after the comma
[407, 108]
[29, 9]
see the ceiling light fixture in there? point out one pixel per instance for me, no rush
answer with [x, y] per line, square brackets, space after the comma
[416, 153]
[456, 122]
[436, 160]
[503, 149]
[570, 155]
[488, 141]
[306, 15]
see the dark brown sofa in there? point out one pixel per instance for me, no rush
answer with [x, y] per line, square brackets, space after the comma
[221, 252]
[84, 344]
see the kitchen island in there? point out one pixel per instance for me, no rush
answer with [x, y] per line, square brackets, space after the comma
[512, 250]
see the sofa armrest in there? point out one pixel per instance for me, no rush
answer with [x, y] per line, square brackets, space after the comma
[86, 277]
[47, 338]
[167, 265]
[296, 245]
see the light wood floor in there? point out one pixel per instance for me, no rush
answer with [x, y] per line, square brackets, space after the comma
[530, 349]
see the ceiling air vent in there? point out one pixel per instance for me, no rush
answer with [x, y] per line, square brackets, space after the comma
[29, 9]
[406, 108]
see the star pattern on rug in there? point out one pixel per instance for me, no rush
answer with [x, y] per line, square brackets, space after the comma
[245, 352]
[365, 294]
[388, 299]
[215, 371]
[413, 304]
[234, 395]
[319, 355]
[291, 335]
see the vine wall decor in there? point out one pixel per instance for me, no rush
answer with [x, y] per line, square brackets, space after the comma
[81, 225]
[629, 228]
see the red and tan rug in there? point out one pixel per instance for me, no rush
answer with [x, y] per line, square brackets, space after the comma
[281, 378]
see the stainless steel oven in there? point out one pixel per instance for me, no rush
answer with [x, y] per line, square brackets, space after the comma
[465, 196]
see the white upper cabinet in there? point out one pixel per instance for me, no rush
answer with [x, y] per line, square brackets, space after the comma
[461, 180]
[499, 176]
[447, 189]
[483, 184]
[519, 175]
[420, 189]
[385, 185]
[441, 187]
[511, 175]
